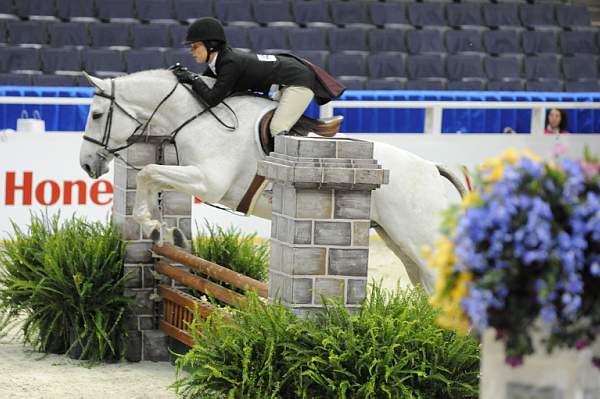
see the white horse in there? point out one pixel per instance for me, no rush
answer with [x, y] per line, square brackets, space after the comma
[217, 165]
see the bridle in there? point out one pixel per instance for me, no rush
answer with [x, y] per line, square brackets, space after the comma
[141, 131]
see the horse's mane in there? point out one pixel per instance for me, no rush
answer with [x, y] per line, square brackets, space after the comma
[158, 74]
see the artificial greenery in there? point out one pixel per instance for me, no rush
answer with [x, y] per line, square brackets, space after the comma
[390, 348]
[233, 249]
[65, 281]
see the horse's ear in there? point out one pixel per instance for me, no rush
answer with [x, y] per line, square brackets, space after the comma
[96, 82]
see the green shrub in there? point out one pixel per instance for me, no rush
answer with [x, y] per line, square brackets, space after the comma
[391, 348]
[234, 250]
[66, 282]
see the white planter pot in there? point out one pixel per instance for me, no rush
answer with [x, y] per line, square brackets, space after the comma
[564, 374]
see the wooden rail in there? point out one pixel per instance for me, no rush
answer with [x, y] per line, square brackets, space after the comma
[179, 307]
[212, 269]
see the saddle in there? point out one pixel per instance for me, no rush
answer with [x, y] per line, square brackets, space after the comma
[323, 127]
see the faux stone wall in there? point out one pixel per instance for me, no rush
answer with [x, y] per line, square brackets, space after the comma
[146, 341]
[321, 219]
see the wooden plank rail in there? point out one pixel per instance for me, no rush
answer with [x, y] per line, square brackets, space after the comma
[201, 284]
[212, 269]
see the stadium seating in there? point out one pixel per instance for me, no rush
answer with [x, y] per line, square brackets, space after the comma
[397, 44]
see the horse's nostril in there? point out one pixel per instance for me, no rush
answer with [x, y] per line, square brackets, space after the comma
[87, 168]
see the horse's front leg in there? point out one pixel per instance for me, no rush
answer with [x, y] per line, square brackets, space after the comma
[186, 179]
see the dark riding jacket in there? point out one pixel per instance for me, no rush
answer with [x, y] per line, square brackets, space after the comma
[239, 71]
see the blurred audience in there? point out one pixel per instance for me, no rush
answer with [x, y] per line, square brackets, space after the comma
[556, 122]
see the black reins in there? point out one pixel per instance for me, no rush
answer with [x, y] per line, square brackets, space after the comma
[142, 127]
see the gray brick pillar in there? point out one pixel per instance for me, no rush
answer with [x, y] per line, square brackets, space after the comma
[321, 219]
[146, 341]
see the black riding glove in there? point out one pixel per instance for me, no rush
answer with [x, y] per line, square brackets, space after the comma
[183, 74]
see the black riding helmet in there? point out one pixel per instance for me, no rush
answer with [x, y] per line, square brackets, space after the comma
[205, 30]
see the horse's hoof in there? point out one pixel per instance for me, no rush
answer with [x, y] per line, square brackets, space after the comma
[155, 236]
[179, 239]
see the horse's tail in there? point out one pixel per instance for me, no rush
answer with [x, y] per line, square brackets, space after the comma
[445, 172]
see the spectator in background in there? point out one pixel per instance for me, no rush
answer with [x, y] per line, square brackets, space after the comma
[556, 122]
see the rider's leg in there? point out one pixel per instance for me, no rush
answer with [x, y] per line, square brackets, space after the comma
[292, 104]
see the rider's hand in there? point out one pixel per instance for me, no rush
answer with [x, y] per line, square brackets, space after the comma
[184, 75]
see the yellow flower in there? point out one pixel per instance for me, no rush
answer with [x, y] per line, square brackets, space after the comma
[471, 199]
[532, 156]
[490, 164]
[495, 175]
[510, 156]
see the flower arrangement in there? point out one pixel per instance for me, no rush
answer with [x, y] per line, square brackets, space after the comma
[522, 253]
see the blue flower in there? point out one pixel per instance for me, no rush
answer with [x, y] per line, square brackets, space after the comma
[548, 314]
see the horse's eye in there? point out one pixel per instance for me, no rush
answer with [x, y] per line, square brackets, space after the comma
[97, 115]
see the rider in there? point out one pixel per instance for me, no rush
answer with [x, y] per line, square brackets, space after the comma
[236, 71]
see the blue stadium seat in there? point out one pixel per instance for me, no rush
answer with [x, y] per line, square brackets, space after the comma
[539, 42]
[350, 13]
[387, 40]
[27, 32]
[353, 82]
[316, 57]
[149, 35]
[7, 10]
[425, 66]
[60, 60]
[573, 16]
[237, 36]
[461, 66]
[343, 64]
[113, 34]
[385, 84]
[141, 60]
[501, 41]
[236, 12]
[578, 42]
[506, 85]
[426, 84]
[545, 66]
[464, 14]
[347, 39]
[3, 34]
[184, 57]
[103, 62]
[426, 14]
[590, 85]
[69, 34]
[497, 68]
[464, 40]
[501, 15]
[54, 80]
[19, 59]
[79, 10]
[424, 41]
[544, 85]
[580, 67]
[274, 38]
[116, 10]
[273, 12]
[191, 10]
[13, 79]
[177, 34]
[388, 14]
[35, 8]
[533, 15]
[308, 39]
[155, 11]
[467, 84]
[386, 65]
[312, 13]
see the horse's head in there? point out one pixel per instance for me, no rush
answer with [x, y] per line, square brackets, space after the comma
[109, 125]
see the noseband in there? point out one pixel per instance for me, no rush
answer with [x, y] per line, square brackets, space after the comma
[141, 129]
